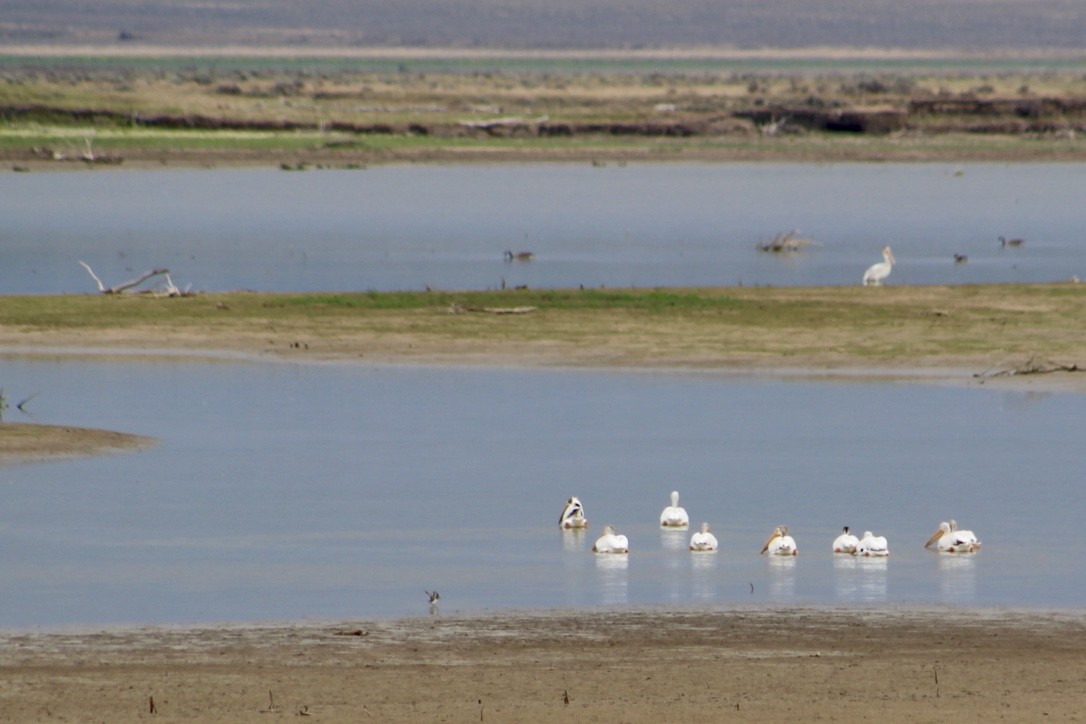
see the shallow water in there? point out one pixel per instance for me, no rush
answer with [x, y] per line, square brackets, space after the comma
[408, 227]
[282, 491]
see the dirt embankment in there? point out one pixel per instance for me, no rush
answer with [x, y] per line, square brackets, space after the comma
[1021, 115]
[26, 442]
[751, 664]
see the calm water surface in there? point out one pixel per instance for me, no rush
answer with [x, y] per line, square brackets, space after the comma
[283, 491]
[408, 227]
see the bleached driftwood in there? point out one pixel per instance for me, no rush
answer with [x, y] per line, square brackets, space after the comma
[117, 289]
[785, 242]
[460, 309]
[1033, 366]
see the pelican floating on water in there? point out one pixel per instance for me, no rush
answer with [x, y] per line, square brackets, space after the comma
[780, 543]
[611, 542]
[573, 515]
[877, 272]
[674, 516]
[703, 540]
[872, 545]
[846, 542]
[948, 539]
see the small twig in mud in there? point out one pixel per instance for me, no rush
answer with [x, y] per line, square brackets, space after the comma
[152, 709]
[1033, 366]
[272, 708]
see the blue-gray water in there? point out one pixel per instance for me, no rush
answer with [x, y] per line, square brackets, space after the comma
[282, 491]
[408, 227]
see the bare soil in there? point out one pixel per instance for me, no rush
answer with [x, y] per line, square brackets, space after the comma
[633, 666]
[21, 442]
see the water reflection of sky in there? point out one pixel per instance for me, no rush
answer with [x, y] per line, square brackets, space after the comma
[293, 491]
[409, 227]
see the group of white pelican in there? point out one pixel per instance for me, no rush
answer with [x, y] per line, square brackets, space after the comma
[948, 538]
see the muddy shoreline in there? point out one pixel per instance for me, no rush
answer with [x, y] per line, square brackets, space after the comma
[630, 665]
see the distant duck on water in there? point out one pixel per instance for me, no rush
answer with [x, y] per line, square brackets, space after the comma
[518, 255]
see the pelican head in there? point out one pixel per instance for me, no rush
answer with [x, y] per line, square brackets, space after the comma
[943, 529]
[888, 255]
[573, 514]
[705, 528]
[779, 532]
[674, 498]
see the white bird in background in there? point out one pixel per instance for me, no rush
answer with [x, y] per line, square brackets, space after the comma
[846, 542]
[703, 540]
[877, 272]
[611, 542]
[573, 515]
[872, 545]
[674, 516]
[948, 539]
[780, 543]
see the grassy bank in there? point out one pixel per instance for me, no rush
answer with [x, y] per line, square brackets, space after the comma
[344, 111]
[974, 326]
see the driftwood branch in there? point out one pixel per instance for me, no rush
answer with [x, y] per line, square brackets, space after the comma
[1033, 366]
[119, 288]
[461, 309]
[784, 242]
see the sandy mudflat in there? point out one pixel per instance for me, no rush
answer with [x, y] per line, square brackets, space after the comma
[617, 665]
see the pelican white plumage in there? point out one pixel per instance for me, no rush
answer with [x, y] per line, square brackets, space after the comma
[611, 542]
[948, 539]
[877, 272]
[846, 542]
[703, 540]
[573, 515]
[872, 545]
[780, 543]
[674, 516]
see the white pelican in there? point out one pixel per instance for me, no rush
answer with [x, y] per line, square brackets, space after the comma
[703, 540]
[573, 515]
[674, 516]
[780, 543]
[948, 539]
[872, 545]
[877, 272]
[611, 542]
[846, 542]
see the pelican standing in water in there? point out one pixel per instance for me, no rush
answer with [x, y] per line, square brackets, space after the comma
[674, 516]
[846, 542]
[573, 515]
[780, 543]
[877, 272]
[703, 540]
[611, 542]
[948, 539]
[872, 545]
